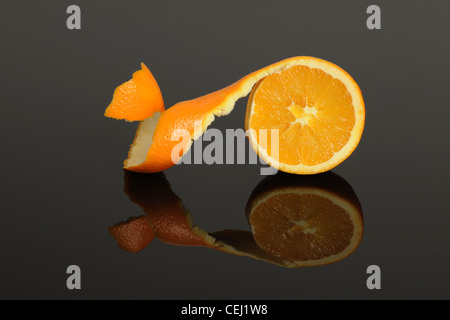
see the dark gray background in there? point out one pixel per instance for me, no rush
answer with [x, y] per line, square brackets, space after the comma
[62, 177]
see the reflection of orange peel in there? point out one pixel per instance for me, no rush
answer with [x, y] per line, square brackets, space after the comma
[136, 99]
[170, 221]
[173, 224]
[157, 146]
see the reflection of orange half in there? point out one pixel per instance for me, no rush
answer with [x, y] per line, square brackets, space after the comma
[310, 221]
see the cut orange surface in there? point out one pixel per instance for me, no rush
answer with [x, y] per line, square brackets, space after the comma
[136, 99]
[316, 105]
[309, 221]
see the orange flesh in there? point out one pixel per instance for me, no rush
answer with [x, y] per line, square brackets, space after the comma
[305, 227]
[312, 110]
